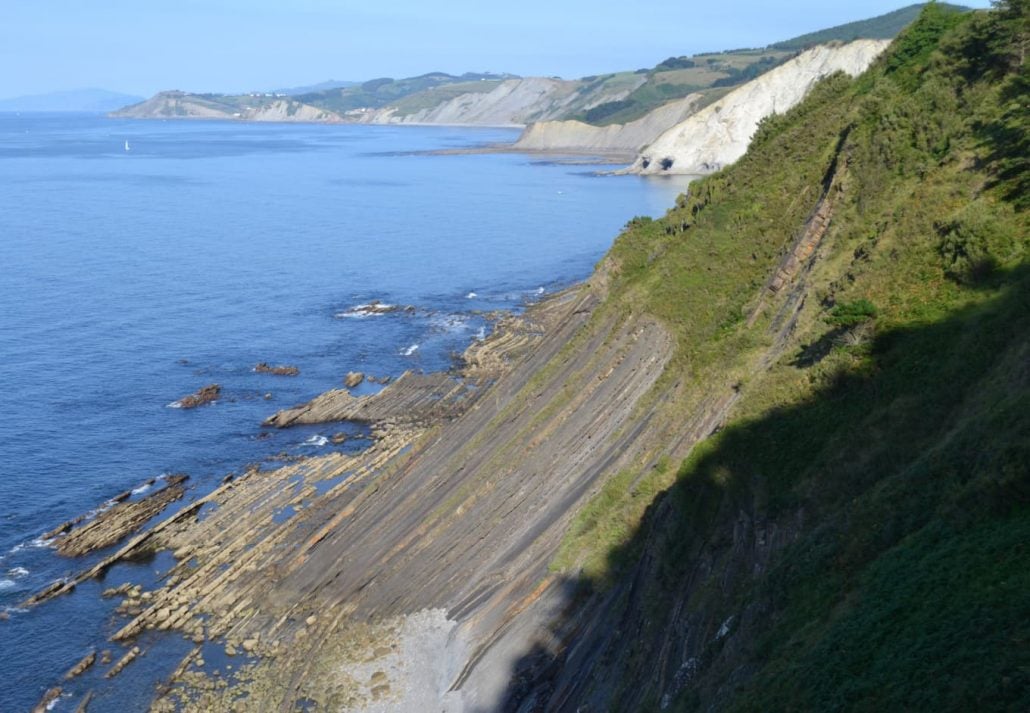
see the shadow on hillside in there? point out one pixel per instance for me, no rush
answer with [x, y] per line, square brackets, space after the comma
[796, 506]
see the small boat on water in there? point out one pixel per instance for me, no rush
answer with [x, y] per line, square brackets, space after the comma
[127, 145]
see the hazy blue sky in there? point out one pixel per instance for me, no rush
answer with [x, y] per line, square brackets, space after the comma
[141, 46]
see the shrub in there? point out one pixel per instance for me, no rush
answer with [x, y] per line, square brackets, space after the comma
[973, 244]
[850, 314]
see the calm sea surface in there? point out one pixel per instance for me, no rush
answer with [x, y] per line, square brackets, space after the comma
[130, 277]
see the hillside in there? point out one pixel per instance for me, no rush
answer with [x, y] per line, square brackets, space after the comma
[883, 27]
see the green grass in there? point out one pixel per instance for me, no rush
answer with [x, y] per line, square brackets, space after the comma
[881, 27]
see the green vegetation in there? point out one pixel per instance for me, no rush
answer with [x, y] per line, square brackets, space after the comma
[882, 27]
[886, 449]
[675, 78]
[852, 313]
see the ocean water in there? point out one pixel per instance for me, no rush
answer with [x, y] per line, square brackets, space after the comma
[142, 260]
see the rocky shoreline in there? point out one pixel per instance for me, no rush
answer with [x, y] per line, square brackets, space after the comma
[254, 555]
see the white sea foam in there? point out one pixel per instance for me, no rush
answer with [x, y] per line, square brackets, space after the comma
[7, 584]
[174, 404]
[316, 440]
[540, 290]
[372, 309]
[141, 489]
[450, 322]
[17, 572]
[481, 334]
[471, 296]
[410, 350]
[37, 543]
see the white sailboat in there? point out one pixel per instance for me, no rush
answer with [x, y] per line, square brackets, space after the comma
[127, 145]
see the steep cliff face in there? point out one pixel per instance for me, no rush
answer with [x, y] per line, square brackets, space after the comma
[719, 134]
[614, 138]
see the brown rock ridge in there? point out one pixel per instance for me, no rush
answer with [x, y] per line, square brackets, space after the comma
[124, 518]
[412, 398]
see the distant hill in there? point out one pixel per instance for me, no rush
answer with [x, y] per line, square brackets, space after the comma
[377, 93]
[882, 27]
[88, 100]
[320, 87]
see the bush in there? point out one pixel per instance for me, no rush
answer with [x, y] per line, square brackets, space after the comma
[850, 314]
[974, 244]
[675, 63]
[602, 111]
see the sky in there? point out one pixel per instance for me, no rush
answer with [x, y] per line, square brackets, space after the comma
[144, 46]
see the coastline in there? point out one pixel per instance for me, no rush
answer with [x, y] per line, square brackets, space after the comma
[219, 594]
[449, 316]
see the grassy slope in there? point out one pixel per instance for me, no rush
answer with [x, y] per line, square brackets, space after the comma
[902, 440]
[882, 27]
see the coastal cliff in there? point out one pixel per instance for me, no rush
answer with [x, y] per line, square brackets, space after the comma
[772, 455]
[719, 134]
[574, 136]
[687, 137]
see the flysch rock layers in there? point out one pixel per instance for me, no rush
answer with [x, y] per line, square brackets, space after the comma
[303, 566]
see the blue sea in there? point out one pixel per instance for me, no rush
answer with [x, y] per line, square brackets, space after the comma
[142, 260]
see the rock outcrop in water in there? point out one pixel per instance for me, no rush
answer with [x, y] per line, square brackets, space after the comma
[205, 395]
[116, 522]
[282, 370]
